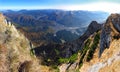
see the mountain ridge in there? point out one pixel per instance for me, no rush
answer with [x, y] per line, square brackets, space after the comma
[97, 50]
[106, 55]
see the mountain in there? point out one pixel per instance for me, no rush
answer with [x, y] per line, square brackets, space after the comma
[52, 17]
[54, 52]
[101, 51]
[97, 50]
[53, 26]
[106, 55]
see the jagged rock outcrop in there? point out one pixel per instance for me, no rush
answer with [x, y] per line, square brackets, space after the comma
[109, 60]
[106, 57]
[110, 31]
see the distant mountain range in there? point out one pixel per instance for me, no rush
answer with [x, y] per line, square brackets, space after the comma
[56, 26]
[66, 18]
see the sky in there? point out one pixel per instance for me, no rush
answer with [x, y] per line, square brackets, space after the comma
[112, 6]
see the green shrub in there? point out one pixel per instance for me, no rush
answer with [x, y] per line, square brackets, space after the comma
[84, 51]
[73, 57]
[70, 59]
[93, 47]
[63, 60]
[90, 48]
[32, 52]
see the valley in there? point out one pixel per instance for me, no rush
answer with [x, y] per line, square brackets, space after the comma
[53, 26]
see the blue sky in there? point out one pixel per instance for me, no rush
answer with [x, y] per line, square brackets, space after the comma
[48, 2]
[59, 4]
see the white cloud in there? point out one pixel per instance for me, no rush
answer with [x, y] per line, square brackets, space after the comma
[98, 6]
[101, 6]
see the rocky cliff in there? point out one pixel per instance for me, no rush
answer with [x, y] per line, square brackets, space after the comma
[110, 31]
[106, 56]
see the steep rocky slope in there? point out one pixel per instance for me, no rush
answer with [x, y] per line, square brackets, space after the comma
[110, 31]
[15, 51]
[106, 56]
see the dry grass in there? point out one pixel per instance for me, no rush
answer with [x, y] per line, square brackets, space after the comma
[3, 59]
[15, 53]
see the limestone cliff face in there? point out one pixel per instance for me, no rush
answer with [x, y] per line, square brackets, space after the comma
[15, 51]
[108, 62]
[110, 31]
[106, 56]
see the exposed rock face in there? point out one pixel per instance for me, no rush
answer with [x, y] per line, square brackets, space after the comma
[110, 30]
[109, 60]
[115, 18]
[109, 51]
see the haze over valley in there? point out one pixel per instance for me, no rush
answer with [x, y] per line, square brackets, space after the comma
[54, 26]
